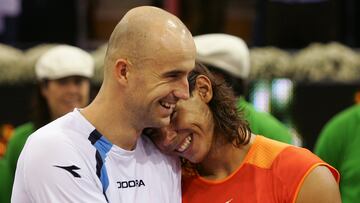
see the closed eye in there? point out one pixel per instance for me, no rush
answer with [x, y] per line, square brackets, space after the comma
[174, 74]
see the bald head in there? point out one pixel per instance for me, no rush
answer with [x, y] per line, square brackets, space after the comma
[147, 33]
[150, 54]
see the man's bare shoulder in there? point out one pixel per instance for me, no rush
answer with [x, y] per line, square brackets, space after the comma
[319, 186]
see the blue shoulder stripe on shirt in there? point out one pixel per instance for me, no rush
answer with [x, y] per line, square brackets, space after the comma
[102, 146]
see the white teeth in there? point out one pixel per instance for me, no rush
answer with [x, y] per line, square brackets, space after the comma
[167, 105]
[185, 144]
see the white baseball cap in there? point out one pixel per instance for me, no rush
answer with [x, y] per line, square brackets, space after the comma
[64, 61]
[226, 52]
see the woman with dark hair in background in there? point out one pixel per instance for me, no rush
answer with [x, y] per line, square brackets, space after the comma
[63, 74]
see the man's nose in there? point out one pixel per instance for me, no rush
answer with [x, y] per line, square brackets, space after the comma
[182, 91]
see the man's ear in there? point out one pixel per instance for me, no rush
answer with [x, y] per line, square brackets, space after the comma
[203, 87]
[121, 70]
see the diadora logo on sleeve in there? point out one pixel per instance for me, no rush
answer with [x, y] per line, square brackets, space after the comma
[130, 183]
[71, 169]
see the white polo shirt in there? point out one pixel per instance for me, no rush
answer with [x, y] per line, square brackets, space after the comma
[68, 160]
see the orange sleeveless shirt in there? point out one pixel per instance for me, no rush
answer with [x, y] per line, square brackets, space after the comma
[271, 172]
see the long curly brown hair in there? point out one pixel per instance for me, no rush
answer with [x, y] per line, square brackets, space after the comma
[228, 119]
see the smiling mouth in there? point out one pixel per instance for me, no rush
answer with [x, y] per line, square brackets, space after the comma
[185, 144]
[167, 105]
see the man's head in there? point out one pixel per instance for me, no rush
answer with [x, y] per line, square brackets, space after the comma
[149, 56]
[64, 72]
[226, 56]
[209, 118]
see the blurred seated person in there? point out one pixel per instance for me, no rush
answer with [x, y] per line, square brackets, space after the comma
[338, 144]
[228, 57]
[63, 74]
[224, 161]
[5, 190]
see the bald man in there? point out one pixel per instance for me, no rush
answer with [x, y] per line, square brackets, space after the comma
[97, 154]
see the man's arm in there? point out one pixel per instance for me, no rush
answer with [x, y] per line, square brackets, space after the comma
[319, 186]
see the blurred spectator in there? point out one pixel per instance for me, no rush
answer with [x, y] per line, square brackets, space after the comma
[338, 144]
[5, 191]
[228, 57]
[63, 74]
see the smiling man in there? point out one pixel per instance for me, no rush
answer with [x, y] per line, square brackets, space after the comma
[97, 154]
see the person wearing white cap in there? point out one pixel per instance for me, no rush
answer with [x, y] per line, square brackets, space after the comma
[98, 153]
[63, 73]
[228, 57]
